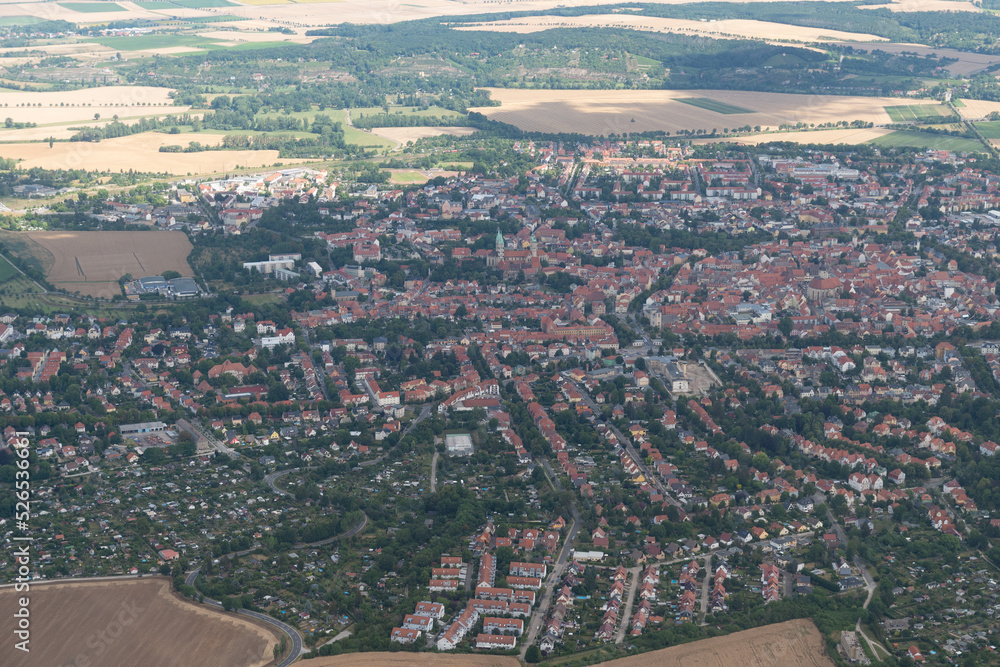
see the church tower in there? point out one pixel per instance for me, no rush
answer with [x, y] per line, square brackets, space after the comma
[500, 245]
[534, 245]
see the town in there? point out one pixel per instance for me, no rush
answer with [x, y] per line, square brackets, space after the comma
[611, 397]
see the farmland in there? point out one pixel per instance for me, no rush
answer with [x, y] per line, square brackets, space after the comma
[931, 141]
[916, 112]
[848, 137]
[406, 134]
[614, 112]
[418, 660]
[92, 7]
[139, 152]
[748, 29]
[790, 644]
[713, 105]
[92, 262]
[158, 627]
[81, 105]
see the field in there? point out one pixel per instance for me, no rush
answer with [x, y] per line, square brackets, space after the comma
[989, 129]
[729, 28]
[791, 644]
[7, 270]
[131, 622]
[92, 262]
[600, 112]
[713, 105]
[974, 109]
[139, 152]
[414, 659]
[916, 112]
[407, 134]
[416, 176]
[81, 105]
[92, 7]
[283, 12]
[847, 137]
[968, 62]
[930, 141]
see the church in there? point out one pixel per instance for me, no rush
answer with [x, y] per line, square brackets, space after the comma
[512, 261]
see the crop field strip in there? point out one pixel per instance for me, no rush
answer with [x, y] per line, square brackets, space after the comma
[713, 105]
[92, 7]
[916, 112]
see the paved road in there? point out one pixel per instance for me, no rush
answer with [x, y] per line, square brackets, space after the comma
[626, 616]
[275, 476]
[434, 471]
[704, 589]
[424, 414]
[626, 443]
[860, 564]
[555, 576]
[292, 633]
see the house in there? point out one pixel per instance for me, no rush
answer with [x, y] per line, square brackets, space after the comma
[404, 635]
[486, 641]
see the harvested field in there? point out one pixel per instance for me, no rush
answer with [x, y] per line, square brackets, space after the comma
[848, 137]
[81, 105]
[131, 622]
[139, 152]
[405, 134]
[729, 28]
[791, 644]
[976, 109]
[411, 659]
[92, 262]
[604, 112]
[416, 176]
[968, 62]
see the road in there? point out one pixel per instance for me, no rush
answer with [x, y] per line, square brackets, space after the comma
[292, 633]
[860, 564]
[555, 576]
[626, 615]
[425, 412]
[626, 443]
[274, 476]
[434, 471]
[704, 590]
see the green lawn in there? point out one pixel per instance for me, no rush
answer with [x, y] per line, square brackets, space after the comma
[906, 138]
[161, 41]
[202, 4]
[156, 5]
[989, 129]
[92, 7]
[958, 104]
[7, 270]
[440, 112]
[713, 105]
[19, 20]
[916, 112]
